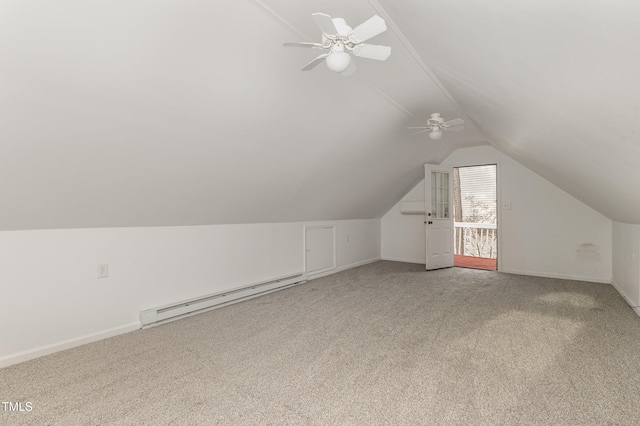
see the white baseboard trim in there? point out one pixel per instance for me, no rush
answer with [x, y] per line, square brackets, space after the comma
[67, 344]
[397, 259]
[342, 268]
[558, 276]
[633, 305]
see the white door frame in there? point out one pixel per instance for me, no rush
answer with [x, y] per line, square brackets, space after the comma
[498, 207]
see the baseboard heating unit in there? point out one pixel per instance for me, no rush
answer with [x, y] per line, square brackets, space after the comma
[186, 308]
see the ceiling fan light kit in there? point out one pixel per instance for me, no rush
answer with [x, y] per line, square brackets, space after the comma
[338, 61]
[340, 40]
[436, 135]
[436, 125]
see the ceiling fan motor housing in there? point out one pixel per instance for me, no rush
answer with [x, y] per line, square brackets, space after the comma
[436, 120]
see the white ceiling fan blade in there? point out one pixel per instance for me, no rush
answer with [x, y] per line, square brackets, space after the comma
[368, 29]
[421, 131]
[372, 51]
[454, 129]
[350, 69]
[454, 122]
[325, 23]
[315, 62]
[304, 44]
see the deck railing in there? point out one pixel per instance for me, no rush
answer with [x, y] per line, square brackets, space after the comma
[476, 239]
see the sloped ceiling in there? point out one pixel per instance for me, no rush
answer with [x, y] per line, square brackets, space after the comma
[553, 84]
[158, 112]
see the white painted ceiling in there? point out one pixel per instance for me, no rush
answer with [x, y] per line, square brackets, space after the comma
[158, 112]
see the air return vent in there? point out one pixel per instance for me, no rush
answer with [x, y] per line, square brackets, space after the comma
[412, 207]
[183, 309]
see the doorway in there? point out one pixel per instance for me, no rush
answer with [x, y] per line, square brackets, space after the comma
[475, 212]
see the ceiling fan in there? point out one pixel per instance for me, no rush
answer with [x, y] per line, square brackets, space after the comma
[338, 39]
[436, 125]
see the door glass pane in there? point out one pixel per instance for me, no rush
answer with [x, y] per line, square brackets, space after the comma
[440, 195]
[434, 194]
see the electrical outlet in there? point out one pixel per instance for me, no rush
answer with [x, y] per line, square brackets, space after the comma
[347, 238]
[103, 270]
[506, 206]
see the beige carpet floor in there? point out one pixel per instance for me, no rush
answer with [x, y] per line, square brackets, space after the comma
[386, 343]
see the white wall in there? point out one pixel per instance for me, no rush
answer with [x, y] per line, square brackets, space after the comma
[363, 245]
[403, 236]
[626, 266]
[51, 298]
[546, 233]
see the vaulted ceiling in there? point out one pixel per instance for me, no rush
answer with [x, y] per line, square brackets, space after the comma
[158, 112]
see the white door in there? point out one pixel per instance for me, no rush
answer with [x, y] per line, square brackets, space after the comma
[320, 249]
[438, 216]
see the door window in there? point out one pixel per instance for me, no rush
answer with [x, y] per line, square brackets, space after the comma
[440, 195]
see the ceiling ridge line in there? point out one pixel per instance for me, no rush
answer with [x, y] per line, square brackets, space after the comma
[279, 19]
[413, 52]
[385, 96]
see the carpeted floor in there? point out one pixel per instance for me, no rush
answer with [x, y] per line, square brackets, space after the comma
[386, 343]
